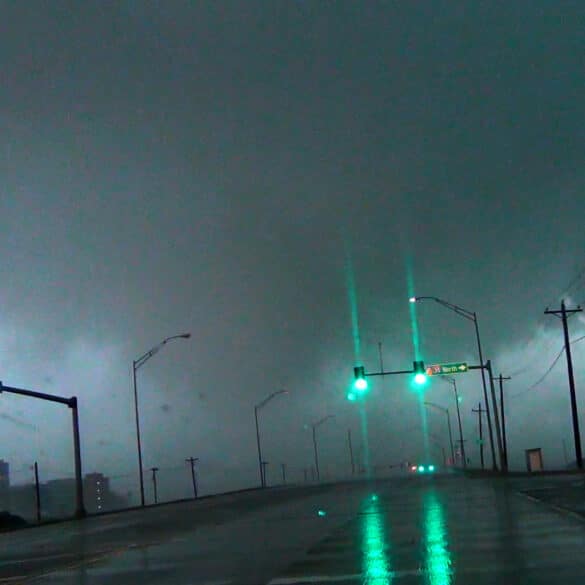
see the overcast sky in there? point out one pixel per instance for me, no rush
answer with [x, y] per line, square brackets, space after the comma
[204, 166]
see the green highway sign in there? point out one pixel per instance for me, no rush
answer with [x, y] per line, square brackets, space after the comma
[444, 369]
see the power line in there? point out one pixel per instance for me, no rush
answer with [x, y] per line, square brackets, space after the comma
[529, 363]
[549, 370]
[541, 379]
[575, 280]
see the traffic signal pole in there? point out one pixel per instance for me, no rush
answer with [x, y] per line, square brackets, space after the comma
[501, 379]
[485, 394]
[503, 463]
[80, 511]
[487, 366]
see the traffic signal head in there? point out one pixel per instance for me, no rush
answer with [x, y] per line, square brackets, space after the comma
[360, 383]
[420, 377]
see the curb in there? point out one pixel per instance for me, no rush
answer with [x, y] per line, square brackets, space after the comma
[560, 509]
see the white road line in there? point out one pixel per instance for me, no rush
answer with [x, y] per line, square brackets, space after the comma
[299, 579]
[37, 559]
[314, 579]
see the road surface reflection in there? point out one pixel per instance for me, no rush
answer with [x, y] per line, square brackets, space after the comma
[437, 562]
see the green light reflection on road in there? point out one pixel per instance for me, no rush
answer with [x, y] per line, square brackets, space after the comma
[375, 560]
[438, 565]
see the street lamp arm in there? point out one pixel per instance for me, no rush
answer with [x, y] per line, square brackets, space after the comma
[320, 422]
[269, 398]
[455, 308]
[432, 404]
[145, 357]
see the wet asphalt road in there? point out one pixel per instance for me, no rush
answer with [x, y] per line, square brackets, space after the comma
[431, 530]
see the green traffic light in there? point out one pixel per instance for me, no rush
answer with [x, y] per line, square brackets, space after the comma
[420, 379]
[431, 468]
[421, 468]
[361, 384]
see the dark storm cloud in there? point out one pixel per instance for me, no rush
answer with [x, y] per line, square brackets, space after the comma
[172, 167]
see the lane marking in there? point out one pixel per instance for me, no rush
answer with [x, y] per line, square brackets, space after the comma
[298, 580]
[37, 559]
[316, 579]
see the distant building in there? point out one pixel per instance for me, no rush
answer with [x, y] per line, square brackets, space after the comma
[4, 475]
[96, 492]
[58, 498]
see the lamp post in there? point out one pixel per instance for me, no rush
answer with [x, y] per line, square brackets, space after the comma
[315, 426]
[256, 409]
[472, 316]
[136, 364]
[446, 411]
[454, 383]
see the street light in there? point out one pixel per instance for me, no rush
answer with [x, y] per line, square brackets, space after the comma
[472, 316]
[438, 444]
[135, 365]
[315, 426]
[454, 384]
[446, 411]
[256, 409]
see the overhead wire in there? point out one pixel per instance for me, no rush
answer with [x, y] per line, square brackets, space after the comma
[580, 276]
[549, 370]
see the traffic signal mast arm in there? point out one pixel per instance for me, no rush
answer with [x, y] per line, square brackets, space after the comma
[390, 373]
[413, 371]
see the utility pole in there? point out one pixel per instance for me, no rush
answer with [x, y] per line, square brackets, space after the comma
[37, 492]
[480, 411]
[316, 454]
[350, 451]
[154, 470]
[501, 379]
[192, 461]
[283, 467]
[262, 479]
[562, 314]
[264, 464]
[306, 474]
